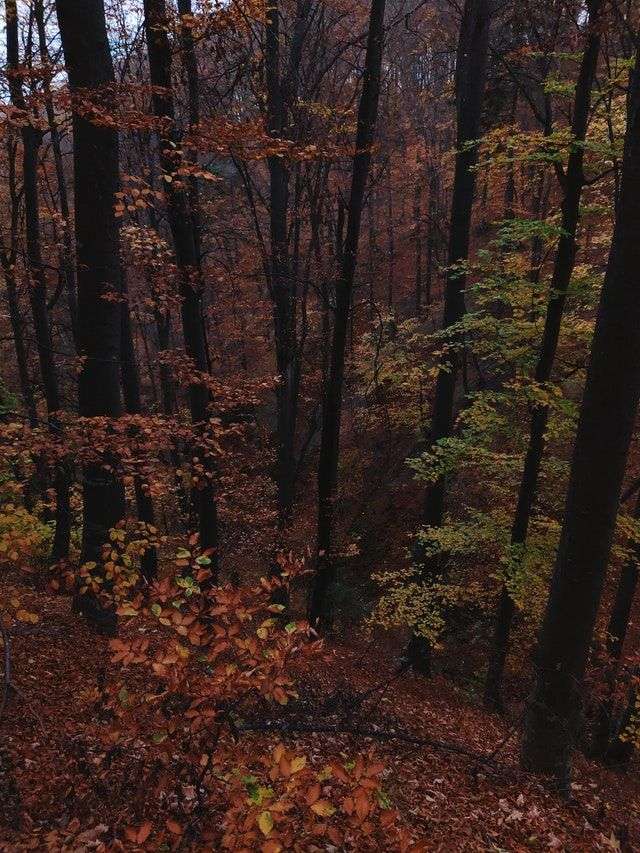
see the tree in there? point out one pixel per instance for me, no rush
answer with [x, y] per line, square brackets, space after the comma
[604, 432]
[96, 180]
[573, 183]
[319, 604]
[471, 70]
[38, 283]
[186, 250]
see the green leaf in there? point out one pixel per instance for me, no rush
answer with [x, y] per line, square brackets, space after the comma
[156, 609]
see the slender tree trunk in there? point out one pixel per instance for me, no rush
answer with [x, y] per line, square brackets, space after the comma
[470, 84]
[562, 271]
[18, 338]
[67, 239]
[96, 180]
[417, 218]
[186, 250]
[133, 405]
[38, 284]
[471, 69]
[281, 282]
[320, 608]
[605, 427]
[8, 262]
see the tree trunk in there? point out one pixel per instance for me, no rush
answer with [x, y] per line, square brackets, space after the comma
[186, 250]
[562, 271]
[470, 84]
[96, 180]
[605, 427]
[282, 286]
[320, 608]
[67, 239]
[471, 70]
[133, 405]
[38, 283]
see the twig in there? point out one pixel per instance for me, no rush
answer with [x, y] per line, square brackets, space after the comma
[376, 734]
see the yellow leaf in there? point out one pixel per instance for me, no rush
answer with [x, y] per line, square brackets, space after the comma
[323, 808]
[25, 616]
[298, 764]
[265, 822]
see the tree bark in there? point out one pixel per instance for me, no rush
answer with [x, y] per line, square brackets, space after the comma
[38, 283]
[133, 405]
[320, 607]
[96, 180]
[562, 271]
[605, 427]
[471, 72]
[186, 251]
[63, 197]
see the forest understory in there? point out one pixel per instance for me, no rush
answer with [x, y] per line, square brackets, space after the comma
[457, 786]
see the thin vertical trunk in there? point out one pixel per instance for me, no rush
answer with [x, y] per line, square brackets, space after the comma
[63, 198]
[562, 271]
[470, 84]
[417, 218]
[133, 405]
[96, 180]
[281, 280]
[471, 70]
[8, 261]
[320, 608]
[186, 250]
[38, 283]
[605, 428]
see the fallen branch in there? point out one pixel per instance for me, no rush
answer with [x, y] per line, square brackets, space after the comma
[377, 734]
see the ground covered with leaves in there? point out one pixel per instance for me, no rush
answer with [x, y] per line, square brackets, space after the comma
[358, 745]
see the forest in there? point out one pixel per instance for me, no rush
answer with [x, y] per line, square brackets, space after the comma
[319, 447]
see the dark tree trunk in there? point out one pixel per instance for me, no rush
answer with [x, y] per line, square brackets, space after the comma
[282, 285]
[320, 608]
[562, 271]
[96, 180]
[38, 283]
[63, 198]
[470, 84]
[133, 405]
[186, 250]
[605, 427]
[471, 70]
[8, 257]
[190, 64]
[417, 218]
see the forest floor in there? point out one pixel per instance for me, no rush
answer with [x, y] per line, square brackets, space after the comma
[52, 793]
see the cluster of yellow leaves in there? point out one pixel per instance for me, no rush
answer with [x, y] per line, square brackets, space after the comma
[24, 539]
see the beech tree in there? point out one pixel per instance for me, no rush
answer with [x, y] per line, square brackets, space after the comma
[470, 79]
[96, 180]
[185, 244]
[605, 427]
[572, 186]
[320, 608]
